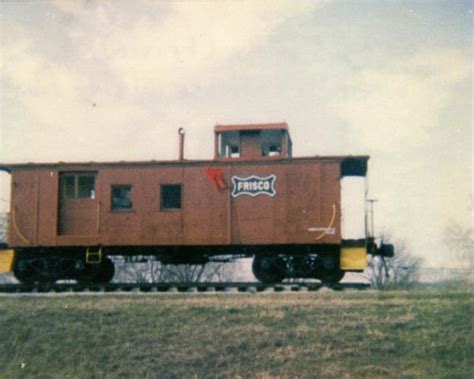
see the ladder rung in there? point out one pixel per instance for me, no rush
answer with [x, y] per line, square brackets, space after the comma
[94, 257]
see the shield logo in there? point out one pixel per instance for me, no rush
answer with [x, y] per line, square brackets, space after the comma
[253, 186]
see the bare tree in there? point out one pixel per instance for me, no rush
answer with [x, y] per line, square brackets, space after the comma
[146, 270]
[152, 271]
[401, 271]
[196, 273]
[4, 217]
[460, 240]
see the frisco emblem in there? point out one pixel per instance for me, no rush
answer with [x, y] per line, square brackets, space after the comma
[253, 186]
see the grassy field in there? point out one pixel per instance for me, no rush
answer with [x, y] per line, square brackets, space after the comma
[368, 334]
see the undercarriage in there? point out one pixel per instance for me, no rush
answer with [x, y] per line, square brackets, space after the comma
[49, 269]
[274, 269]
[94, 265]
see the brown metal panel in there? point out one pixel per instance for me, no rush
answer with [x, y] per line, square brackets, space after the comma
[24, 210]
[146, 223]
[281, 208]
[307, 200]
[78, 241]
[168, 223]
[78, 217]
[302, 198]
[253, 216]
[330, 202]
[47, 205]
[284, 144]
[204, 209]
[251, 145]
[296, 214]
[120, 227]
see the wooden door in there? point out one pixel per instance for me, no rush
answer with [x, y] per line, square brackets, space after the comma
[78, 204]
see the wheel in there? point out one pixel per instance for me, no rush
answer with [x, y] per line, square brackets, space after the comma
[31, 271]
[22, 272]
[101, 273]
[330, 276]
[106, 272]
[268, 269]
[24, 276]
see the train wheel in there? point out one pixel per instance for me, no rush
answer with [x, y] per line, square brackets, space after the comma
[101, 273]
[24, 276]
[330, 276]
[106, 272]
[31, 271]
[22, 272]
[268, 269]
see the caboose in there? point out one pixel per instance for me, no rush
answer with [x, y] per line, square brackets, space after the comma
[298, 217]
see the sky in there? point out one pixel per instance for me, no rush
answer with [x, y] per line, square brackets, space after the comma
[104, 81]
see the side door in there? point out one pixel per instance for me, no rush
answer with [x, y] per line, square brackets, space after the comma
[78, 204]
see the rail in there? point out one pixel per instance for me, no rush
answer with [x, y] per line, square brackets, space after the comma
[189, 288]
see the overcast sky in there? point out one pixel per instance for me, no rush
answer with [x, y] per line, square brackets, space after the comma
[84, 81]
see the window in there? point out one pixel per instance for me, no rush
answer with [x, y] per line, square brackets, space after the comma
[233, 151]
[274, 150]
[170, 196]
[271, 143]
[85, 185]
[121, 198]
[68, 186]
[78, 185]
[229, 144]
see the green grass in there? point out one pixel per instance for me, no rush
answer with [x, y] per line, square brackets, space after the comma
[417, 334]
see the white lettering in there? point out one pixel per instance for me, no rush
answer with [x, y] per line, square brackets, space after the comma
[254, 186]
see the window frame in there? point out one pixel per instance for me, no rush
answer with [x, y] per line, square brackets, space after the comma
[76, 176]
[130, 186]
[272, 139]
[227, 141]
[170, 209]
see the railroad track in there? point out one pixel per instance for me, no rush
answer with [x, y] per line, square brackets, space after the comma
[211, 287]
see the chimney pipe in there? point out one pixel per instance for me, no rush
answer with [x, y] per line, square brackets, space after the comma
[181, 144]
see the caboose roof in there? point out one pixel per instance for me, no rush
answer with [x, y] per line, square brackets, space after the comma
[242, 127]
[9, 167]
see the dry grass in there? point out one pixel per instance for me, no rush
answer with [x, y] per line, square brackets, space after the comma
[417, 334]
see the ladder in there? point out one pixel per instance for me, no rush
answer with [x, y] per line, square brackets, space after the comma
[94, 256]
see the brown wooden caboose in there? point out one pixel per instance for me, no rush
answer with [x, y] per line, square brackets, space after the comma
[298, 217]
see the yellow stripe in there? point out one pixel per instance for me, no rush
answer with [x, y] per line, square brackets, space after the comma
[17, 230]
[330, 224]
